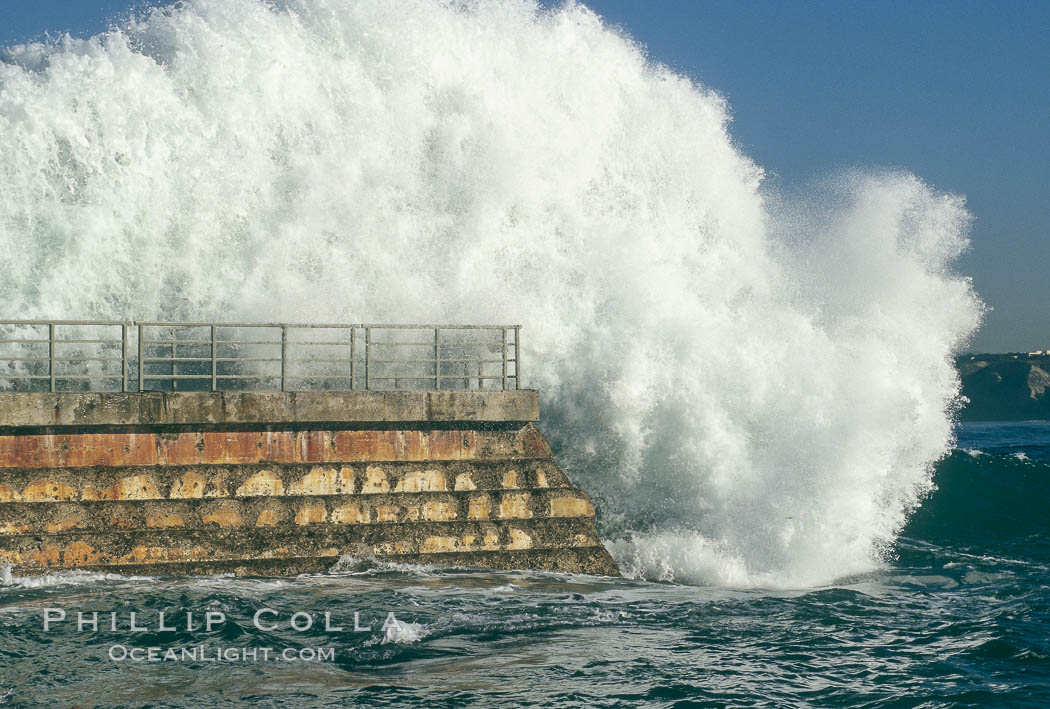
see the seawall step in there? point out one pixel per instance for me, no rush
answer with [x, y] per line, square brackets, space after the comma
[188, 482]
[590, 560]
[88, 550]
[55, 518]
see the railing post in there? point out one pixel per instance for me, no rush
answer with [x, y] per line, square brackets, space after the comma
[174, 364]
[51, 353]
[368, 358]
[517, 356]
[437, 358]
[213, 361]
[124, 357]
[504, 331]
[353, 342]
[284, 354]
[142, 365]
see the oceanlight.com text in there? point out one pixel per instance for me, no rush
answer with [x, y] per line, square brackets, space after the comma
[206, 653]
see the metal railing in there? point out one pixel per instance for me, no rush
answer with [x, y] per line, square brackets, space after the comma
[81, 355]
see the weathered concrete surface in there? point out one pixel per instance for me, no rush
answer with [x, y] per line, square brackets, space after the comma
[144, 498]
[185, 482]
[84, 410]
[305, 511]
[73, 450]
[88, 550]
[593, 560]
[220, 518]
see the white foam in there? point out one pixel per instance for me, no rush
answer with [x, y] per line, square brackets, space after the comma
[350, 565]
[753, 385]
[401, 633]
[61, 578]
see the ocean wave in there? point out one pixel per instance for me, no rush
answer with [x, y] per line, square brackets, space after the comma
[60, 578]
[989, 499]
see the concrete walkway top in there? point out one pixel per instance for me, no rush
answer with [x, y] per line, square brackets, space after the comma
[19, 410]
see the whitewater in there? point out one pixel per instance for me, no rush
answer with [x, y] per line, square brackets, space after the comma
[754, 385]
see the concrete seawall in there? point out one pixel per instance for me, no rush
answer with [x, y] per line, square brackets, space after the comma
[280, 483]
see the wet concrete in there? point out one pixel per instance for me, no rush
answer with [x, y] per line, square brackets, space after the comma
[289, 497]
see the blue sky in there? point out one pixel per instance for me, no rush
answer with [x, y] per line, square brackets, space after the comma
[957, 92]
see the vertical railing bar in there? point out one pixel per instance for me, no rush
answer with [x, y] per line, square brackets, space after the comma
[368, 358]
[353, 352]
[174, 381]
[504, 330]
[284, 354]
[140, 357]
[437, 359]
[517, 356]
[124, 357]
[51, 354]
[213, 360]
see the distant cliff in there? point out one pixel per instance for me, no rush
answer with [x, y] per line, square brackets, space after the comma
[1005, 386]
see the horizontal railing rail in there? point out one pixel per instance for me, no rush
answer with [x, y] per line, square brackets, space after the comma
[112, 355]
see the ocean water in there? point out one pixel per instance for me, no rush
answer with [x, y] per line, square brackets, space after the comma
[957, 615]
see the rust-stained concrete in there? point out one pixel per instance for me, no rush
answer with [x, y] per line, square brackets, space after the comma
[107, 493]
[73, 450]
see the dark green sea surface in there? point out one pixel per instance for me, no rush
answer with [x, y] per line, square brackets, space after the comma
[959, 616]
